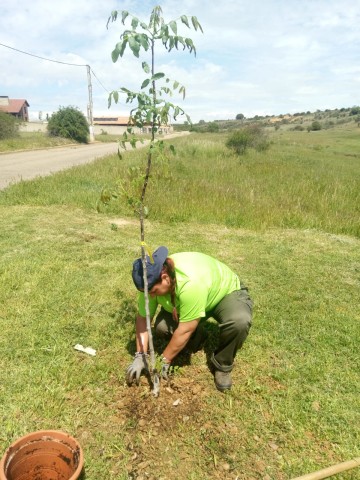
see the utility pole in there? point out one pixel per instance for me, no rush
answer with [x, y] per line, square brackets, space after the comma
[90, 105]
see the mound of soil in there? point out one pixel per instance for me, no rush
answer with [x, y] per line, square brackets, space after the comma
[176, 435]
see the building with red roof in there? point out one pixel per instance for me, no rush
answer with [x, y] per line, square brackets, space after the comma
[19, 108]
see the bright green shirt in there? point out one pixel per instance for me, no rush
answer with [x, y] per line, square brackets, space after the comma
[201, 282]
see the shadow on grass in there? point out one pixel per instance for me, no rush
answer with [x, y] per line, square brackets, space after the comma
[208, 341]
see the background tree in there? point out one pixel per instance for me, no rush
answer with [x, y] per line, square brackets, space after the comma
[354, 111]
[213, 127]
[9, 126]
[315, 125]
[251, 136]
[69, 122]
[153, 108]
[240, 116]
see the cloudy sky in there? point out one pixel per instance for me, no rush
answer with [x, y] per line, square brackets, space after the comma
[256, 57]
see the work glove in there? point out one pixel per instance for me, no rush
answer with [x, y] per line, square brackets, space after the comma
[134, 370]
[165, 369]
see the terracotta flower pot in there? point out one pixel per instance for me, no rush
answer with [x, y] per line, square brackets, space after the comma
[43, 455]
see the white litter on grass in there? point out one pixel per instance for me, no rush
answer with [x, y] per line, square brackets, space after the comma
[88, 350]
[177, 402]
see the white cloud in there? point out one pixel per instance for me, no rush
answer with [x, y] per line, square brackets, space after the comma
[254, 56]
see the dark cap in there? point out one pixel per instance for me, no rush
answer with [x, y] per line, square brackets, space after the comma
[153, 270]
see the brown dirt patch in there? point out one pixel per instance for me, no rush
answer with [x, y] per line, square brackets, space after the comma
[178, 435]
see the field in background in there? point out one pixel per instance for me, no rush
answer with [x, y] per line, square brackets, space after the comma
[305, 180]
[286, 220]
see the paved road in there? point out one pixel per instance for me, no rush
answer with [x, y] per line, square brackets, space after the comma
[30, 164]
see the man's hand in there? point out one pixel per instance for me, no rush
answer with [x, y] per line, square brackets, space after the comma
[165, 367]
[134, 370]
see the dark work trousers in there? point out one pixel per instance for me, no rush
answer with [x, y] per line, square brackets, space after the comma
[233, 314]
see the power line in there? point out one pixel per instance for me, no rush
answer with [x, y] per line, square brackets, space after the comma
[88, 69]
[106, 90]
[42, 58]
[56, 61]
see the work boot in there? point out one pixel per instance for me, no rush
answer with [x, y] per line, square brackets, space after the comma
[222, 380]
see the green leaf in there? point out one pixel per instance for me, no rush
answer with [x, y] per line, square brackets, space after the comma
[148, 116]
[176, 84]
[172, 149]
[109, 100]
[124, 14]
[171, 43]
[122, 47]
[190, 44]
[134, 23]
[135, 46]
[181, 40]
[115, 55]
[143, 25]
[173, 26]
[145, 83]
[157, 76]
[185, 20]
[144, 41]
[196, 24]
[145, 67]
[112, 17]
[182, 90]
[116, 96]
[164, 32]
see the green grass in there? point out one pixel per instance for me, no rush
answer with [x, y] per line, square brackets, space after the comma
[31, 141]
[305, 180]
[110, 137]
[65, 279]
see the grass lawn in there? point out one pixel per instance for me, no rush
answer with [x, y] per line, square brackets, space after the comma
[31, 141]
[286, 220]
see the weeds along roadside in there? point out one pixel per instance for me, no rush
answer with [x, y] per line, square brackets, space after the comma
[303, 181]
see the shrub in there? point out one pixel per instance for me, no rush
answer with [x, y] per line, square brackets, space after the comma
[314, 126]
[9, 126]
[354, 111]
[251, 136]
[69, 122]
[212, 127]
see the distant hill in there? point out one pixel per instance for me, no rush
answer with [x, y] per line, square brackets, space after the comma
[297, 121]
